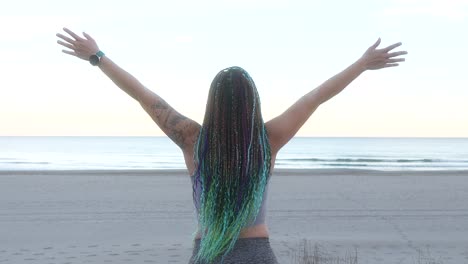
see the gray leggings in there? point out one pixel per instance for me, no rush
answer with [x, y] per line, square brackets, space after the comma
[246, 251]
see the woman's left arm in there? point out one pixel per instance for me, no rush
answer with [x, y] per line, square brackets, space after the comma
[372, 59]
[283, 127]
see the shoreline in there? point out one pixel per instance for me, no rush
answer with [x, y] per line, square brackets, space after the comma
[277, 172]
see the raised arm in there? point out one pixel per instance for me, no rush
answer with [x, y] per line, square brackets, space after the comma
[283, 127]
[182, 130]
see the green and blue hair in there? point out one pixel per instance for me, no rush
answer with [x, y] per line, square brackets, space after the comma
[233, 159]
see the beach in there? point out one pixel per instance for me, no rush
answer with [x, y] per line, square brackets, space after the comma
[147, 216]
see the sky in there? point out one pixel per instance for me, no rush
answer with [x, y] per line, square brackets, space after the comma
[289, 47]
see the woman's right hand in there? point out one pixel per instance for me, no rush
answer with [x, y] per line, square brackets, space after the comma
[374, 59]
[80, 47]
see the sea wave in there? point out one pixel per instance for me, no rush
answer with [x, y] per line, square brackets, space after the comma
[370, 160]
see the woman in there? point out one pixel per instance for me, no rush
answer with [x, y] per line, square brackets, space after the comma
[231, 156]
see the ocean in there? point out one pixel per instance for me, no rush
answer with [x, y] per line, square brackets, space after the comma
[124, 153]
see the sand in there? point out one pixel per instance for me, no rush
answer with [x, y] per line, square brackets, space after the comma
[147, 216]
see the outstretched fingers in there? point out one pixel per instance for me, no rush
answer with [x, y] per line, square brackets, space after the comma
[389, 48]
[376, 44]
[65, 44]
[375, 59]
[87, 36]
[67, 39]
[71, 33]
[395, 60]
[395, 54]
[390, 65]
[81, 47]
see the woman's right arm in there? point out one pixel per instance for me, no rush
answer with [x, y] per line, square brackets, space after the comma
[282, 128]
[182, 130]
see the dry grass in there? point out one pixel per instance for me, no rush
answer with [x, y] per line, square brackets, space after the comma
[426, 258]
[305, 253]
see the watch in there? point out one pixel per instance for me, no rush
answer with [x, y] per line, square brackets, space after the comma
[96, 58]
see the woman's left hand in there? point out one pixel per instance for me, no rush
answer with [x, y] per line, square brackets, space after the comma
[80, 47]
[374, 59]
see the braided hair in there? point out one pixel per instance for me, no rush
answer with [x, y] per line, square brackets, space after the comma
[232, 157]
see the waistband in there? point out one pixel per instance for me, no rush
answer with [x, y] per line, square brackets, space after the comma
[244, 238]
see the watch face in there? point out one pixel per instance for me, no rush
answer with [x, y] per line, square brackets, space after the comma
[94, 60]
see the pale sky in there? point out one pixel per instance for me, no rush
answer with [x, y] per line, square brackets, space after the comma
[289, 47]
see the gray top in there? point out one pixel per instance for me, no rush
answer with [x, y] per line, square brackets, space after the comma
[260, 219]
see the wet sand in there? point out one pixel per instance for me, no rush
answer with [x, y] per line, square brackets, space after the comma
[148, 216]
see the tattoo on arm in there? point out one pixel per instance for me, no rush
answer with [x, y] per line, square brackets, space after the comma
[170, 121]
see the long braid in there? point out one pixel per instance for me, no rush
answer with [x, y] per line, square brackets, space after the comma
[233, 158]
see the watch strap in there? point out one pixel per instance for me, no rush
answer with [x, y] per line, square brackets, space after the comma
[100, 54]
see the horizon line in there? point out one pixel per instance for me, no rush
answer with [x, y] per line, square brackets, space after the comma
[293, 137]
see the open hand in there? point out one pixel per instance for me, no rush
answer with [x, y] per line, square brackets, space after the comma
[80, 47]
[374, 59]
